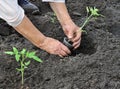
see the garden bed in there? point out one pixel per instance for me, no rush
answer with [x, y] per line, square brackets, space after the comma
[94, 65]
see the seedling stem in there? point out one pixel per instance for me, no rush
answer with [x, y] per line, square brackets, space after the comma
[21, 58]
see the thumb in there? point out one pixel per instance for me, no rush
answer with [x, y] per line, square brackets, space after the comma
[70, 34]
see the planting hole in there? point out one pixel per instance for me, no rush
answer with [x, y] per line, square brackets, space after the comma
[87, 46]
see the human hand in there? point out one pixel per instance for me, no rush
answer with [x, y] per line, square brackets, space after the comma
[53, 46]
[73, 33]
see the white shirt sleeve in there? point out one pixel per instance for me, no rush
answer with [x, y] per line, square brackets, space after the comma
[63, 1]
[11, 12]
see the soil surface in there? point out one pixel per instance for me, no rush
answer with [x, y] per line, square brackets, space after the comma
[94, 65]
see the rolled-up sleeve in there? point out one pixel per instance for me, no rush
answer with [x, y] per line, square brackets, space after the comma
[11, 12]
[54, 1]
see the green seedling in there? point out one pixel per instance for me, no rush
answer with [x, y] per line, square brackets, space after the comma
[22, 57]
[53, 18]
[92, 13]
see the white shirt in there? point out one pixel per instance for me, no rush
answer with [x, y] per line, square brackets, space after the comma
[12, 13]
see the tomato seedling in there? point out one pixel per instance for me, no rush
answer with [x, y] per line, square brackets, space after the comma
[92, 12]
[22, 57]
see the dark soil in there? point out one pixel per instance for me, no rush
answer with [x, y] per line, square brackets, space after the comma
[94, 65]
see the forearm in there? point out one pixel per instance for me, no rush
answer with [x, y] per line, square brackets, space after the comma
[29, 31]
[61, 12]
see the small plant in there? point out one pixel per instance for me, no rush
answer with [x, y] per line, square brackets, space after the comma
[53, 18]
[22, 58]
[92, 13]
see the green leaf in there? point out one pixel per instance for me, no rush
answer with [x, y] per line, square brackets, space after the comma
[101, 15]
[25, 67]
[94, 11]
[84, 31]
[17, 57]
[91, 10]
[87, 8]
[27, 63]
[23, 51]
[18, 69]
[37, 59]
[52, 20]
[27, 54]
[22, 64]
[15, 50]
[9, 52]
[31, 54]
[54, 14]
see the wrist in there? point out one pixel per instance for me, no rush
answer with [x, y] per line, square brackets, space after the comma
[41, 41]
[66, 22]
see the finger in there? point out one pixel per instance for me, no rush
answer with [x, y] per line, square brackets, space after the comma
[61, 56]
[63, 53]
[77, 37]
[67, 53]
[76, 44]
[71, 34]
[66, 50]
[59, 53]
[61, 50]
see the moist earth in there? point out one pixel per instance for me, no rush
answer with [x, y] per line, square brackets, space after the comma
[94, 65]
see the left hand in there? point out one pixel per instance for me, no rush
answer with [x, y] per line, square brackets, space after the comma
[73, 32]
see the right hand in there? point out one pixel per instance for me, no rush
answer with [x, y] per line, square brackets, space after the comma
[73, 33]
[53, 46]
